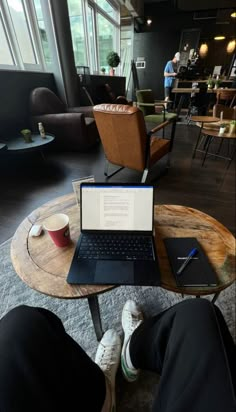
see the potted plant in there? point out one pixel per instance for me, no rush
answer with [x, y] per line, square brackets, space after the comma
[232, 126]
[26, 133]
[103, 70]
[217, 83]
[113, 60]
[210, 83]
[222, 128]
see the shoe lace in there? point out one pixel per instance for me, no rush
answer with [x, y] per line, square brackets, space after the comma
[133, 321]
[107, 358]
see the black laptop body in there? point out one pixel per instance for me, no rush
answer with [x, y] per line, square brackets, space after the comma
[116, 244]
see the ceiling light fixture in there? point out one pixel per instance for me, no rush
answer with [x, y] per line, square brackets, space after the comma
[231, 46]
[203, 50]
[233, 14]
[219, 37]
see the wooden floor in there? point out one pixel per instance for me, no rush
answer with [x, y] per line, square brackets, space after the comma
[27, 181]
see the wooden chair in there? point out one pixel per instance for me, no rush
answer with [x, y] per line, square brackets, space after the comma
[227, 97]
[228, 112]
[125, 140]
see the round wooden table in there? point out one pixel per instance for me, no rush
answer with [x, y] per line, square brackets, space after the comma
[44, 267]
[204, 119]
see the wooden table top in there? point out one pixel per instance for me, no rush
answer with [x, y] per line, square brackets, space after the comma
[215, 133]
[204, 119]
[44, 267]
[189, 90]
[18, 143]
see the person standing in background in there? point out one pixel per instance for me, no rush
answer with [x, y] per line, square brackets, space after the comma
[170, 73]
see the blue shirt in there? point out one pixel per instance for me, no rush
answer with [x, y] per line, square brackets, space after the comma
[169, 81]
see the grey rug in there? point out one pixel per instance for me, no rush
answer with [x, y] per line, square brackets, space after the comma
[77, 321]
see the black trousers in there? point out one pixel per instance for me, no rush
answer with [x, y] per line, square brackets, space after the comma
[44, 369]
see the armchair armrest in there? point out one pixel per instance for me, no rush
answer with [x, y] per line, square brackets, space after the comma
[159, 127]
[86, 110]
[146, 104]
[69, 129]
[154, 105]
[162, 126]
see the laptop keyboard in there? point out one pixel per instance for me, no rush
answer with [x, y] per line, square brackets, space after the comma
[116, 247]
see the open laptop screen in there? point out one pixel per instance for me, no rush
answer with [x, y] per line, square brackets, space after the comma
[116, 207]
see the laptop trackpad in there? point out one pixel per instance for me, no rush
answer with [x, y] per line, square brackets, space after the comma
[114, 271]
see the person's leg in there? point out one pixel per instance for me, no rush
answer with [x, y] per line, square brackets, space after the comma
[189, 346]
[167, 93]
[168, 103]
[42, 368]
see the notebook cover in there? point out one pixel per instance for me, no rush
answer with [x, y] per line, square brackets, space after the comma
[198, 271]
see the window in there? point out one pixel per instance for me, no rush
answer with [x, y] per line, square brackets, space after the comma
[6, 57]
[105, 40]
[21, 28]
[25, 42]
[94, 30]
[77, 32]
[91, 39]
[42, 33]
[108, 8]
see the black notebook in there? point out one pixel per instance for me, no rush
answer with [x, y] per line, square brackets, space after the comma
[198, 271]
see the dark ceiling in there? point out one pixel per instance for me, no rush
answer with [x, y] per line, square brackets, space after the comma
[192, 5]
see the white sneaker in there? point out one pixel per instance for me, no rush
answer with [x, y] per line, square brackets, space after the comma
[132, 317]
[108, 359]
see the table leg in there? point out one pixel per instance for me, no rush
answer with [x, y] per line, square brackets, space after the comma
[215, 297]
[95, 314]
[232, 155]
[206, 150]
[42, 155]
[181, 102]
[198, 139]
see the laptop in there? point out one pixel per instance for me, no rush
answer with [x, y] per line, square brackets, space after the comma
[116, 245]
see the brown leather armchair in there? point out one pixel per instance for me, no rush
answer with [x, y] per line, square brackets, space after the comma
[74, 127]
[125, 140]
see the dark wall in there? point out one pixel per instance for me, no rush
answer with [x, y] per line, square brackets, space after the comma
[157, 49]
[159, 42]
[15, 88]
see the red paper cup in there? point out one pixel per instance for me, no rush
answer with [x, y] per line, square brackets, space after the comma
[58, 228]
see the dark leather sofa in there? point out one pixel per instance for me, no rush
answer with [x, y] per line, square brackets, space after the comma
[74, 127]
